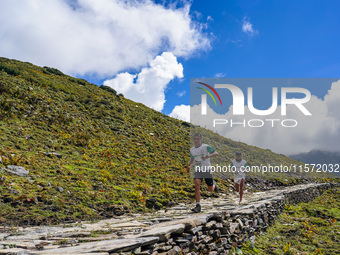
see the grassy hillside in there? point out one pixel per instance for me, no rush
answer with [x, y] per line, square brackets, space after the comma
[307, 228]
[92, 153]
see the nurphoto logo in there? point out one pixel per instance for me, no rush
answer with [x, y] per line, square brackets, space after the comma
[217, 90]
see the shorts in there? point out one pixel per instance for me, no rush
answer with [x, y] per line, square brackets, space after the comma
[238, 180]
[208, 181]
[238, 177]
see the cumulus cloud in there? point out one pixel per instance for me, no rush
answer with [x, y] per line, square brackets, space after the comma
[247, 28]
[181, 112]
[148, 86]
[102, 37]
[319, 131]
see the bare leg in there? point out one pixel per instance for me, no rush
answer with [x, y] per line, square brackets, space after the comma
[237, 187]
[197, 190]
[241, 189]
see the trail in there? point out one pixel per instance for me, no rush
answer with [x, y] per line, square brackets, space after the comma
[126, 229]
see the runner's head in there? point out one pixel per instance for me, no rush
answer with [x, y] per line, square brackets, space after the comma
[197, 140]
[238, 156]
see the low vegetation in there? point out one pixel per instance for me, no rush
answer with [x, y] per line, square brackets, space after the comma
[93, 154]
[306, 228]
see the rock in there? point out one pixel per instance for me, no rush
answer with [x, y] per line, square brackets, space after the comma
[224, 240]
[13, 251]
[224, 231]
[260, 221]
[233, 227]
[51, 154]
[165, 248]
[23, 252]
[207, 239]
[217, 234]
[212, 246]
[255, 223]
[240, 223]
[219, 225]
[110, 246]
[165, 219]
[18, 170]
[137, 250]
[174, 251]
[72, 234]
[210, 225]
[164, 232]
[35, 199]
[195, 230]
[60, 189]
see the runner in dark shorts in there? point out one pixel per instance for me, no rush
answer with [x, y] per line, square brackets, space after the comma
[200, 156]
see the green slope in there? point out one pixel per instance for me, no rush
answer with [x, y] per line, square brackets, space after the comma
[306, 228]
[117, 156]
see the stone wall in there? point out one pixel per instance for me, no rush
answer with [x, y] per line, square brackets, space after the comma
[216, 233]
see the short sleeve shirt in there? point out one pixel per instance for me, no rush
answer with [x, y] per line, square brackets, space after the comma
[239, 167]
[197, 152]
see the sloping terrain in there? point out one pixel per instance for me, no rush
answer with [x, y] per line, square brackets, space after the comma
[91, 153]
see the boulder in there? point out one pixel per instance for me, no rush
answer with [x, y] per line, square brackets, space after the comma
[18, 170]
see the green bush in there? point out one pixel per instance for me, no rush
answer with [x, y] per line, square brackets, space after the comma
[8, 69]
[50, 70]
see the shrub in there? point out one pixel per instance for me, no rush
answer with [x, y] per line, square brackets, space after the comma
[10, 70]
[109, 89]
[50, 70]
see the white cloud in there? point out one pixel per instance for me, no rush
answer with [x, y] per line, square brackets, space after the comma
[247, 28]
[181, 112]
[209, 18]
[319, 131]
[181, 93]
[150, 82]
[220, 75]
[101, 37]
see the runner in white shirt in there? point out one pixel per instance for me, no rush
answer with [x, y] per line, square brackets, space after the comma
[200, 156]
[239, 174]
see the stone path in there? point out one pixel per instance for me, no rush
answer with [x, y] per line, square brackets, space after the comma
[129, 231]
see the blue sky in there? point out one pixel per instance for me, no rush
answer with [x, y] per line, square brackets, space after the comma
[149, 50]
[290, 39]
[294, 39]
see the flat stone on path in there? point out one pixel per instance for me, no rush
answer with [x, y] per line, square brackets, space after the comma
[162, 232]
[13, 251]
[109, 246]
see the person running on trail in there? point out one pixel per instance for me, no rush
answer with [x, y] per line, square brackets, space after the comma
[239, 174]
[200, 156]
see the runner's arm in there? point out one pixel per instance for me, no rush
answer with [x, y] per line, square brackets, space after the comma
[211, 155]
[191, 163]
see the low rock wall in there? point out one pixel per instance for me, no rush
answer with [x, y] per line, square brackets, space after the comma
[218, 232]
[215, 231]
